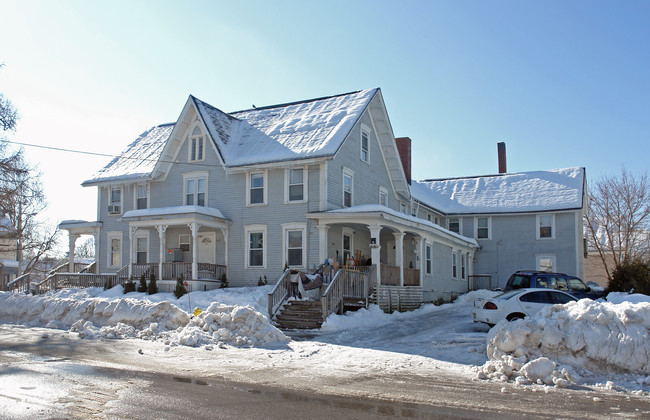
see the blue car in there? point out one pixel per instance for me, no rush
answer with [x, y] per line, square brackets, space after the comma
[557, 281]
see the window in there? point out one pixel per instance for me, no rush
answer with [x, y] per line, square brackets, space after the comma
[115, 247]
[576, 285]
[402, 208]
[296, 184]
[364, 145]
[383, 196]
[454, 265]
[482, 228]
[559, 298]
[184, 242]
[141, 196]
[255, 250]
[195, 188]
[141, 249]
[428, 259]
[256, 188]
[347, 245]
[115, 200]
[348, 188]
[429, 217]
[545, 262]
[197, 145]
[294, 244]
[462, 266]
[454, 224]
[559, 283]
[545, 226]
[535, 297]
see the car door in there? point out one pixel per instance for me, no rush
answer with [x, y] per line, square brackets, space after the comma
[580, 290]
[533, 301]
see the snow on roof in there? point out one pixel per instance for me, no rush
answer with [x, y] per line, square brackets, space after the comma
[298, 130]
[6, 226]
[5, 262]
[139, 158]
[165, 211]
[558, 189]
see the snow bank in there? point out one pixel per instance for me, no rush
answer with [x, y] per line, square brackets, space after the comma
[563, 341]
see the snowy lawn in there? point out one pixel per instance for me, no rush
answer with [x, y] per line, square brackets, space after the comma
[585, 343]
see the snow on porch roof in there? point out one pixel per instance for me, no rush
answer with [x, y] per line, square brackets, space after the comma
[538, 191]
[298, 130]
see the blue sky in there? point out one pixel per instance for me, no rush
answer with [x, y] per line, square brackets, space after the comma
[562, 83]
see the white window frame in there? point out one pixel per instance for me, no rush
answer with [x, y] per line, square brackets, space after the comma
[293, 227]
[198, 140]
[454, 264]
[383, 192]
[463, 266]
[364, 130]
[136, 237]
[109, 239]
[136, 197]
[347, 173]
[182, 241]
[540, 257]
[195, 176]
[347, 232]
[489, 227]
[287, 185]
[255, 229]
[428, 258]
[265, 186]
[538, 223]
[402, 207]
[429, 217]
[113, 203]
[460, 224]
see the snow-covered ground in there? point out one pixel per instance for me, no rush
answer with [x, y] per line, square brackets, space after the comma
[586, 343]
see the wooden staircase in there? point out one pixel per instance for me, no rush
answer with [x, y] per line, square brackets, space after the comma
[299, 314]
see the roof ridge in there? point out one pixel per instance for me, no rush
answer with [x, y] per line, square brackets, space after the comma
[495, 175]
[296, 102]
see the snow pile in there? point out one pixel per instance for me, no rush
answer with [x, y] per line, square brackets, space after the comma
[563, 341]
[228, 324]
[476, 294]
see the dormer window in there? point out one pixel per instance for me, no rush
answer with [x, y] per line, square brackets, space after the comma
[197, 145]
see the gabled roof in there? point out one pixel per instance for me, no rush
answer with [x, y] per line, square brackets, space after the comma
[308, 129]
[138, 160]
[538, 191]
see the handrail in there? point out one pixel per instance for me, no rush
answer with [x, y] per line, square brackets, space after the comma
[333, 296]
[89, 268]
[276, 295]
[19, 284]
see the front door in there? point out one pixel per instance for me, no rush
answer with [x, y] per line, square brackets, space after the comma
[207, 247]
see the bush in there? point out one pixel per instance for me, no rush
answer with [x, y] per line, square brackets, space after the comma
[631, 275]
[224, 281]
[129, 286]
[142, 286]
[262, 282]
[180, 288]
[152, 288]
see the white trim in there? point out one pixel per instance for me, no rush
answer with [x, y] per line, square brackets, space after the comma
[188, 242]
[289, 227]
[349, 173]
[364, 129]
[255, 229]
[140, 234]
[135, 194]
[322, 185]
[489, 228]
[384, 191]
[191, 137]
[428, 259]
[454, 264]
[195, 176]
[265, 186]
[553, 259]
[347, 232]
[305, 182]
[111, 203]
[538, 226]
[109, 239]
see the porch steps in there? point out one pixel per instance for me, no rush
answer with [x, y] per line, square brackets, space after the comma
[299, 314]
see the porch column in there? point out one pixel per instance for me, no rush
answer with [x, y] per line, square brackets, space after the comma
[225, 250]
[423, 259]
[399, 254]
[72, 238]
[132, 231]
[322, 242]
[161, 235]
[375, 247]
[96, 256]
[194, 227]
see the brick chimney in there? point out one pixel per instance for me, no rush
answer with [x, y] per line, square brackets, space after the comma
[501, 150]
[404, 149]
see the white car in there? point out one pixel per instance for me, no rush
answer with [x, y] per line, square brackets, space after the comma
[517, 304]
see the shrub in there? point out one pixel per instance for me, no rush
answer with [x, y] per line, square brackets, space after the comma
[142, 286]
[262, 282]
[180, 288]
[224, 281]
[129, 286]
[152, 288]
[631, 275]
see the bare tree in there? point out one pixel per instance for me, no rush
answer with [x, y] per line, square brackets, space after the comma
[86, 249]
[618, 220]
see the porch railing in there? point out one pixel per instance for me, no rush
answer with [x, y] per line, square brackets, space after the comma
[390, 276]
[332, 298]
[84, 280]
[354, 284]
[172, 271]
[280, 293]
[411, 277]
[480, 281]
[20, 284]
[210, 271]
[137, 270]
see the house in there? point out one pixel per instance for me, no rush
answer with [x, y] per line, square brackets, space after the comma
[248, 194]
[8, 245]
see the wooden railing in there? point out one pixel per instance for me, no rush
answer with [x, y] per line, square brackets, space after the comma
[84, 280]
[137, 270]
[347, 284]
[411, 277]
[390, 275]
[481, 281]
[19, 284]
[280, 293]
[210, 271]
[91, 268]
[332, 298]
[172, 270]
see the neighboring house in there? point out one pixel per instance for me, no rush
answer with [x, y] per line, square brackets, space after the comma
[8, 262]
[528, 220]
[250, 193]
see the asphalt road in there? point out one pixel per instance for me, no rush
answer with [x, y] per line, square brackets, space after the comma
[45, 374]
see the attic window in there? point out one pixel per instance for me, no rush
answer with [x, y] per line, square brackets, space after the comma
[364, 145]
[197, 145]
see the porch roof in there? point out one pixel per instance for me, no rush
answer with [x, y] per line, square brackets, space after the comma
[176, 215]
[80, 227]
[371, 214]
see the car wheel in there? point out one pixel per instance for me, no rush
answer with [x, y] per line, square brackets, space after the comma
[514, 317]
